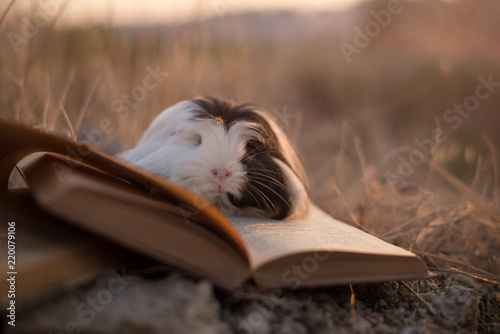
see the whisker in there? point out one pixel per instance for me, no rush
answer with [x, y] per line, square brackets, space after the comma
[261, 194]
[247, 191]
[249, 155]
[253, 171]
[265, 170]
[274, 191]
[255, 149]
[269, 179]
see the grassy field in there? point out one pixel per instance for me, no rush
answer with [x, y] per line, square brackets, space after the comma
[382, 132]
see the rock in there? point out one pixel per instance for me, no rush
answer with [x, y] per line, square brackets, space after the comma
[133, 305]
[457, 307]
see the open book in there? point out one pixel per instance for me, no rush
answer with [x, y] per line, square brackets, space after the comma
[146, 214]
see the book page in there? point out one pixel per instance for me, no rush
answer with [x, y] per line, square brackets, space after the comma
[269, 239]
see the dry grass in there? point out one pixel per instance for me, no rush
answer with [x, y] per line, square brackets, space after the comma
[351, 122]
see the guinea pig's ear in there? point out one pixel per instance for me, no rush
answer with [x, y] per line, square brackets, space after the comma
[299, 194]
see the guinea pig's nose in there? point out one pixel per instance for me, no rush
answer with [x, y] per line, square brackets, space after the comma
[220, 173]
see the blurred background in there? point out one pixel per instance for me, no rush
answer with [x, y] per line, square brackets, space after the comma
[391, 104]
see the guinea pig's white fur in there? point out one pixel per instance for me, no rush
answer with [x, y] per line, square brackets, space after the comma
[206, 152]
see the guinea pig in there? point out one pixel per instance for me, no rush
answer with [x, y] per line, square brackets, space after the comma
[230, 154]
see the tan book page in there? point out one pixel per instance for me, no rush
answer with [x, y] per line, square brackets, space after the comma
[269, 239]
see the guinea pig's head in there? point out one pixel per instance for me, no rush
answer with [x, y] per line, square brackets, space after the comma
[235, 157]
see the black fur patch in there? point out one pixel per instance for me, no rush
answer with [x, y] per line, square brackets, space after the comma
[266, 187]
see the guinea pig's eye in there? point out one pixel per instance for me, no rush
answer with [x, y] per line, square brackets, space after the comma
[189, 137]
[195, 139]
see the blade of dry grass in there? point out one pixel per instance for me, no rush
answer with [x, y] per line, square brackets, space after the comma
[342, 150]
[452, 259]
[348, 207]
[86, 103]
[19, 83]
[390, 233]
[354, 313]
[6, 11]
[36, 54]
[63, 99]
[47, 103]
[425, 303]
[486, 278]
[418, 230]
[465, 189]
[494, 158]
[433, 156]
[477, 174]
[362, 161]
